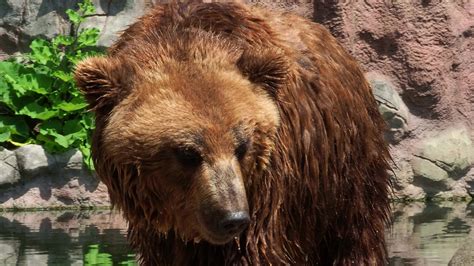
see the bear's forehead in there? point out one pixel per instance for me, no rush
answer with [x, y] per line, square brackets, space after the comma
[175, 103]
[197, 94]
[205, 105]
[150, 127]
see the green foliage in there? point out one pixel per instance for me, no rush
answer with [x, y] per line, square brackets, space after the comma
[95, 257]
[39, 101]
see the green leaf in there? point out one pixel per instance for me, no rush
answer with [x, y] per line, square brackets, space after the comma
[64, 76]
[130, 261]
[88, 121]
[62, 40]
[52, 126]
[74, 130]
[72, 126]
[4, 135]
[85, 149]
[34, 110]
[21, 102]
[10, 99]
[41, 52]
[74, 16]
[19, 89]
[103, 259]
[87, 7]
[61, 140]
[49, 143]
[9, 79]
[36, 83]
[74, 105]
[11, 69]
[3, 87]
[15, 125]
[51, 133]
[88, 37]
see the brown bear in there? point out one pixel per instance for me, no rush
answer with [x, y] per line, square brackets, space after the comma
[230, 134]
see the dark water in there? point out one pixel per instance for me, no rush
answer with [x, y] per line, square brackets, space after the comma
[422, 234]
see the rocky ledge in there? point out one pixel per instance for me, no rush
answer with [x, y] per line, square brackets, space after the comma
[429, 162]
[32, 178]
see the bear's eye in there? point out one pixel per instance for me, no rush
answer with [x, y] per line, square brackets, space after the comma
[188, 156]
[241, 150]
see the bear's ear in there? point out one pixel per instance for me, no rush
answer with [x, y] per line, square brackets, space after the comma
[101, 80]
[267, 67]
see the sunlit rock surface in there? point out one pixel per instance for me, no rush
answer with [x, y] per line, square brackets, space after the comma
[51, 181]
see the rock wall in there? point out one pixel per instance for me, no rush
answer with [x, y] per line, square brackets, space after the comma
[21, 21]
[32, 178]
[419, 58]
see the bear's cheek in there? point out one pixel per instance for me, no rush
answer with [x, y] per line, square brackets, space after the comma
[172, 187]
[179, 198]
[171, 197]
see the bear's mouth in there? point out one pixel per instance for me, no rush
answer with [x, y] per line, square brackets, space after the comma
[213, 231]
[215, 239]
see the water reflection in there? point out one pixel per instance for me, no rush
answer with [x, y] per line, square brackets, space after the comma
[431, 234]
[61, 237]
[422, 234]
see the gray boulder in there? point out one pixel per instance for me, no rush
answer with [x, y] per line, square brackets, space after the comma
[70, 160]
[50, 180]
[446, 153]
[33, 160]
[391, 106]
[23, 21]
[441, 161]
[9, 172]
[114, 17]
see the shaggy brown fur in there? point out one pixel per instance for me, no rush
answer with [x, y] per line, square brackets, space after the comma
[211, 78]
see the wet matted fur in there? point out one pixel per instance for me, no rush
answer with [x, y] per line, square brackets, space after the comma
[315, 176]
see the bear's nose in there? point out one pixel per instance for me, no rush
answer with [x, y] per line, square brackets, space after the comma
[234, 223]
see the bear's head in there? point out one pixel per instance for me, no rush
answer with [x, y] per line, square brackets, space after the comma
[182, 131]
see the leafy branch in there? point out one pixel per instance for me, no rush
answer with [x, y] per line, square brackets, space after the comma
[39, 101]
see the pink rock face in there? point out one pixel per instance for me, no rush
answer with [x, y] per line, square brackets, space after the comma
[301, 7]
[426, 50]
[49, 181]
[42, 193]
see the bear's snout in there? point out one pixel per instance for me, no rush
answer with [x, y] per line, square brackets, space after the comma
[224, 212]
[221, 227]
